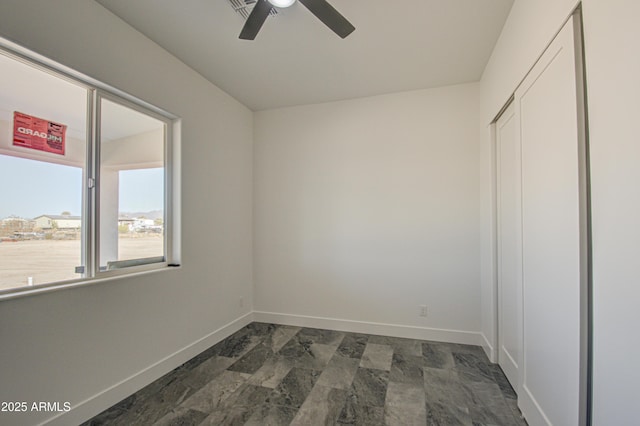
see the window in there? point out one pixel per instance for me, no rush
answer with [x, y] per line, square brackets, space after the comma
[132, 187]
[86, 182]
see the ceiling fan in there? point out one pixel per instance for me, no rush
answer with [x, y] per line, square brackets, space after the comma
[323, 11]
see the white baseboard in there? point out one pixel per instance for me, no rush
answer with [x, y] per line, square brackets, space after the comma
[489, 349]
[394, 330]
[531, 409]
[97, 403]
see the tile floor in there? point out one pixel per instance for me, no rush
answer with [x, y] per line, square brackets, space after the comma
[269, 374]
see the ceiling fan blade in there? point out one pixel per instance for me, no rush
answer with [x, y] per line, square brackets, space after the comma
[331, 17]
[255, 20]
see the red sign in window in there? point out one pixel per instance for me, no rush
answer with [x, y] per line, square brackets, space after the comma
[37, 133]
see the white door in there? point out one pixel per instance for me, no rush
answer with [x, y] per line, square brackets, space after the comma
[546, 109]
[509, 243]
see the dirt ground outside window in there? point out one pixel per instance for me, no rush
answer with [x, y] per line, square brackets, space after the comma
[48, 261]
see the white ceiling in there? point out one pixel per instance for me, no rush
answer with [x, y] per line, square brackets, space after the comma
[397, 46]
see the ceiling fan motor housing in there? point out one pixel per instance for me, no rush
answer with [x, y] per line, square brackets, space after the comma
[263, 8]
[281, 3]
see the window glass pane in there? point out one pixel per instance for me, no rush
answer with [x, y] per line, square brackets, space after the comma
[42, 165]
[131, 187]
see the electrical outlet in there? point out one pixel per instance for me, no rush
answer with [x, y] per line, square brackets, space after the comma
[241, 302]
[423, 310]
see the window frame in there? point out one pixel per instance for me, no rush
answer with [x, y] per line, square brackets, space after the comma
[98, 96]
[90, 233]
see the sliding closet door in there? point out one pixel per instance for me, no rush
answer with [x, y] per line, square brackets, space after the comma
[548, 116]
[509, 243]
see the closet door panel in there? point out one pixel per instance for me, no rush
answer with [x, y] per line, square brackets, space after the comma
[547, 113]
[509, 244]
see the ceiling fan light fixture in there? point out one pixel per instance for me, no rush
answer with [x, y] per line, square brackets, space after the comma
[282, 3]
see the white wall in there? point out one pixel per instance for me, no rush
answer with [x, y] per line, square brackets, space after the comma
[611, 35]
[74, 344]
[613, 71]
[365, 209]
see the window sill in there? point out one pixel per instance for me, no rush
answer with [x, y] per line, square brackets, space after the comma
[19, 292]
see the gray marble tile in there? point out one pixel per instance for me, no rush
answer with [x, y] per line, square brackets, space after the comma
[181, 417]
[206, 371]
[230, 416]
[353, 345]
[472, 368]
[438, 377]
[382, 340]
[355, 413]
[148, 407]
[196, 360]
[501, 380]
[272, 372]
[489, 406]
[468, 349]
[210, 397]
[439, 414]
[295, 347]
[237, 344]
[252, 360]
[316, 358]
[377, 356]
[517, 414]
[370, 387]
[247, 396]
[112, 415]
[405, 405]
[407, 369]
[339, 373]
[325, 337]
[437, 355]
[487, 415]
[280, 336]
[167, 384]
[322, 407]
[443, 386]
[409, 347]
[294, 388]
[260, 328]
[271, 415]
